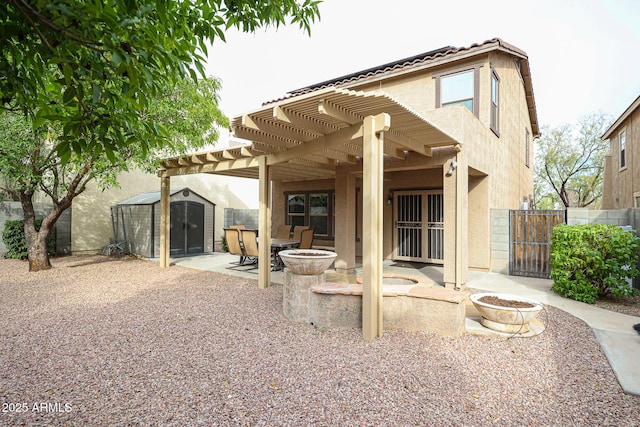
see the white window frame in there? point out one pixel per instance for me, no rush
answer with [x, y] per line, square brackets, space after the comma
[494, 119]
[622, 145]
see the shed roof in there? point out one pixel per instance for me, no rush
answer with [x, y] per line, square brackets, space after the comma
[148, 198]
[153, 197]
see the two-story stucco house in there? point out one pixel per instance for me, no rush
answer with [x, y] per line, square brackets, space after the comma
[401, 161]
[621, 188]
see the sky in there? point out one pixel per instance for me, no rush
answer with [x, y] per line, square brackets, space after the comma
[584, 54]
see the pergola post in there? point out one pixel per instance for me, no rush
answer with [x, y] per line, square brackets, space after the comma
[165, 212]
[372, 183]
[264, 224]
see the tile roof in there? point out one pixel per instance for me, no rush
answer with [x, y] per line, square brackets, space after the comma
[403, 64]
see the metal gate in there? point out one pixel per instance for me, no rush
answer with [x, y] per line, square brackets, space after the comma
[530, 236]
[419, 226]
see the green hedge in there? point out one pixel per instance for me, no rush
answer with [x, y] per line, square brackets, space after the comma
[593, 260]
[14, 239]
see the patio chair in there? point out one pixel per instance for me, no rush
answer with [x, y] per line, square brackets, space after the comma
[250, 242]
[237, 226]
[297, 230]
[306, 239]
[284, 232]
[232, 236]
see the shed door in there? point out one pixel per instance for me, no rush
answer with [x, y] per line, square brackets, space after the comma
[187, 228]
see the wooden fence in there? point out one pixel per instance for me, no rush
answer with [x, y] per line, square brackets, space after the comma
[530, 232]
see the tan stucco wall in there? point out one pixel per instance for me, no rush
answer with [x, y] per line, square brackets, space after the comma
[621, 184]
[91, 216]
[499, 177]
[479, 230]
[512, 179]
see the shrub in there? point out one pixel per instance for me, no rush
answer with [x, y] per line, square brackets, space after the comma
[223, 242]
[14, 239]
[593, 260]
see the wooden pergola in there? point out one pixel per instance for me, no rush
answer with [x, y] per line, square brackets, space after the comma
[308, 137]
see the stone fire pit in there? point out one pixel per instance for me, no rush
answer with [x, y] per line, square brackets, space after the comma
[307, 262]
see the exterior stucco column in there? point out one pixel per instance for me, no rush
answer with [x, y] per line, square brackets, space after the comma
[345, 237]
[165, 212]
[456, 222]
[264, 224]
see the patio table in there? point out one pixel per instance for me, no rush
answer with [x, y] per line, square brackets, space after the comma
[278, 245]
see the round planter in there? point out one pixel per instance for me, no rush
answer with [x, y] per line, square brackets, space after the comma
[500, 318]
[307, 261]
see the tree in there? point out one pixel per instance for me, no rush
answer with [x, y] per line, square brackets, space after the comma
[87, 75]
[92, 65]
[30, 162]
[570, 163]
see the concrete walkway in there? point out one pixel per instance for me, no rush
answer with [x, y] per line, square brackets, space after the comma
[614, 331]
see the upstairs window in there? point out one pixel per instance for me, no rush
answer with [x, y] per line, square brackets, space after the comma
[459, 87]
[623, 149]
[495, 97]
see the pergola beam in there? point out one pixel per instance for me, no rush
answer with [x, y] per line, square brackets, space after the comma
[298, 120]
[335, 111]
[409, 143]
[346, 116]
[226, 165]
[282, 130]
[326, 142]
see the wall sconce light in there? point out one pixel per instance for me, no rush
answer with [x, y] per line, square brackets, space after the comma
[452, 167]
[390, 199]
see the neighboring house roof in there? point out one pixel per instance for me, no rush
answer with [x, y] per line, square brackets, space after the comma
[153, 197]
[633, 107]
[428, 60]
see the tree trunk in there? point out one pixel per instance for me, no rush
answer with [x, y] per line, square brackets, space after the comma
[37, 248]
[36, 240]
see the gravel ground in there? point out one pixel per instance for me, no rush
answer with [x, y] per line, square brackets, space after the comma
[97, 342]
[625, 305]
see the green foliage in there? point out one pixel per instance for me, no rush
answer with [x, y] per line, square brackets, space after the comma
[14, 239]
[592, 260]
[91, 88]
[569, 163]
[92, 66]
[223, 241]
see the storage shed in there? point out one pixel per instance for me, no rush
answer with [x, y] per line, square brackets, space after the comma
[136, 222]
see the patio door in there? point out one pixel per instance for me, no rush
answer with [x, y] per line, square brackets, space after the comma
[418, 233]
